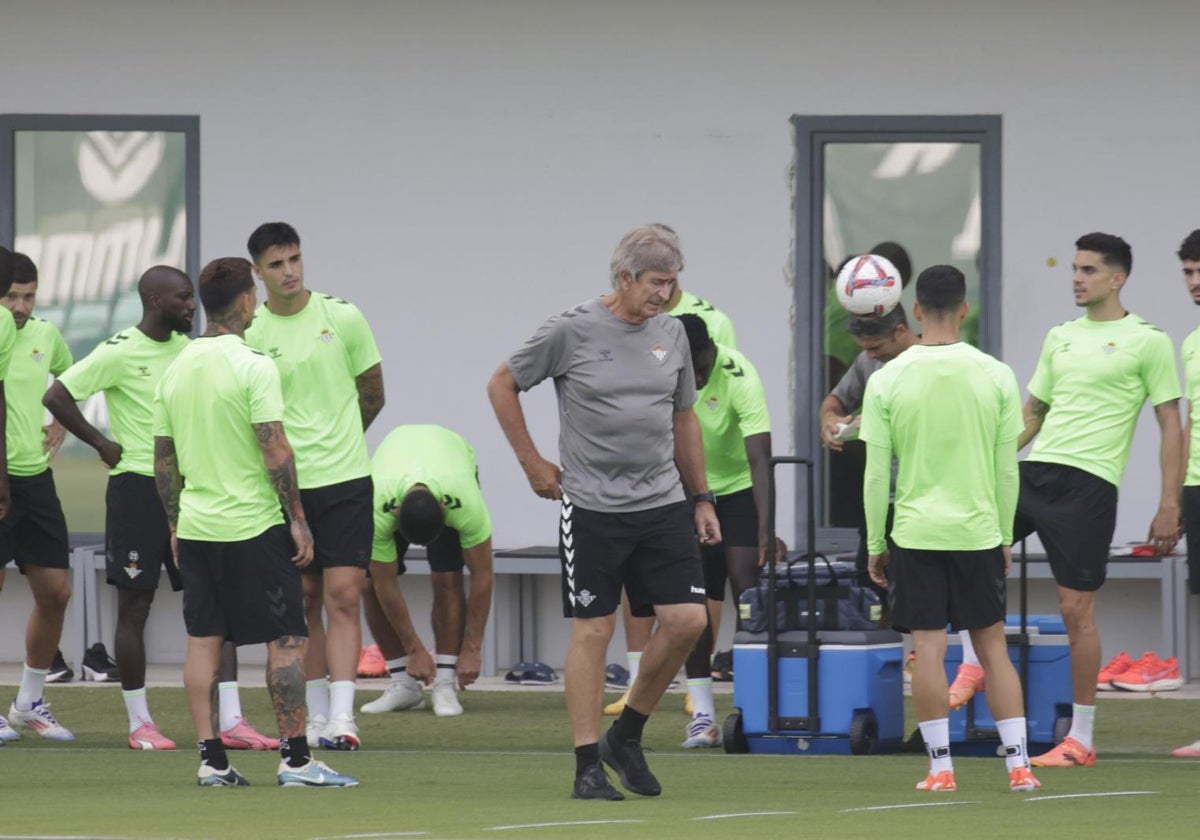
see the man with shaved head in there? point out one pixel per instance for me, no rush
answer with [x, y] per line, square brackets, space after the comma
[127, 368]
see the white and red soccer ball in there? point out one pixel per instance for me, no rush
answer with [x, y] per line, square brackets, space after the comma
[869, 286]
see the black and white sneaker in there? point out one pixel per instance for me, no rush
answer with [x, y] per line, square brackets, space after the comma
[594, 784]
[98, 665]
[60, 671]
[629, 762]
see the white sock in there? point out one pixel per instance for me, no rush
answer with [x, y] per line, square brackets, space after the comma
[446, 669]
[398, 667]
[701, 692]
[1083, 723]
[135, 705]
[968, 649]
[937, 743]
[33, 683]
[230, 703]
[634, 657]
[1012, 735]
[316, 694]
[341, 699]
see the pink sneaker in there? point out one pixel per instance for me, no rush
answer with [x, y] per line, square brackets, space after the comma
[147, 737]
[243, 736]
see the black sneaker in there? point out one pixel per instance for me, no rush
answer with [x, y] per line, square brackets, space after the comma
[60, 671]
[594, 784]
[98, 665]
[630, 764]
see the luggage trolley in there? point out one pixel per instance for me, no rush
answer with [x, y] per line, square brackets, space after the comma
[813, 690]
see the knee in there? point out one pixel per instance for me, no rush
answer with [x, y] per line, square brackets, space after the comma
[54, 597]
[686, 625]
[134, 611]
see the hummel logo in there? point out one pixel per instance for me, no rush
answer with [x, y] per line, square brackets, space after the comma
[733, 369]
[117, 339]
[274, 353]
[606, 356]
[389, 506]
[114, 166]
[451, 502]
[697, 590]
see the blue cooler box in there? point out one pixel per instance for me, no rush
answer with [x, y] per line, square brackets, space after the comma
[860, 691]
[1048, 690]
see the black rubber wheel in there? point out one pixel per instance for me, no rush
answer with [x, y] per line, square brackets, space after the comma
[1062, 725]
[864, 733]
[732, 735]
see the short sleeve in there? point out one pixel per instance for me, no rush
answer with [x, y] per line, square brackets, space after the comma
[749, 399]
[1159, 372]
[263, 390]
[876, 425]
[8, 338]
[383, 545]
[685, 387]
[545, 355]
[849, 390]
[1041, 386]
[60, 355]
[1012, 418]
[161, 418]
[358, 338]
[91, 374]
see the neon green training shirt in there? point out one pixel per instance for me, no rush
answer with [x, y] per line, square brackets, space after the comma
[444, 462]
[1095, 375]
[720, 328]
[209, 401]
[37, 352]
[951, 414]
[126, 368]
[1191, 377]
[319, 352]
[731, 408]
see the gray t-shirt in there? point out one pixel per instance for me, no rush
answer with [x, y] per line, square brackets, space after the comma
[619, 386]
[853, 383]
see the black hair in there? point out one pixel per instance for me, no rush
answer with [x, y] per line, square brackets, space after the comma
[697, 333]
[941, 288]
[1115, 250]
[221, 281]
[269, 235]
[23, 269]
[896, 254]
[421, 516]
[870, 326]
[1190, 248]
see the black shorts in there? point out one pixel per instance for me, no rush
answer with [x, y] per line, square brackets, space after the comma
[1074, 514]
[340, 518]
[248, 592]
[445, 553]
[137, 537]
[35, 531]
[1191, 518]
[930, 589]
[738, 517]
[653, 554]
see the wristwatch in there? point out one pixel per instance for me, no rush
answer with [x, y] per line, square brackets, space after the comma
[706, 496]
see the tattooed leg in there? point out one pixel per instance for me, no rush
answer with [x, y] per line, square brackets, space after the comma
[285, 682]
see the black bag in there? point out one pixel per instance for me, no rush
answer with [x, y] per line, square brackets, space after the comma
[840, 603]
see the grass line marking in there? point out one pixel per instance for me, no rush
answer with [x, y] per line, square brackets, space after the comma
[909, 805]
[559, 824]
[749, 814]
[1089, 795]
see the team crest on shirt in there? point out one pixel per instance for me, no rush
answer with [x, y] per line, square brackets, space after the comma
[131, 568]
[1110, 348]
[143, 371]
[659, 352]
[37, 355]
[326, 336]
[712, 403]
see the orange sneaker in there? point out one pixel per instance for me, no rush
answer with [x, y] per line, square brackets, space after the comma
[1117, 666]
[1021, 778]
[967, 683]
[1069, 753]
[943, 781]
[371, 662]
[1150, 674]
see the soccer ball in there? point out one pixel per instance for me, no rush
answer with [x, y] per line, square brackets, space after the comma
[869, 286]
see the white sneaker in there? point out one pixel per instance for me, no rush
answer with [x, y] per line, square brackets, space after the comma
[399, 696]
[445, 700]
[341, 733]
[7, 733]
[313, 729]
[702, 732]
[39, 719]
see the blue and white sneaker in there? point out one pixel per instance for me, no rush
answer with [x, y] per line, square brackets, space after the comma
[7, 733]
[314, 774]
[40, 720]
[229, 777]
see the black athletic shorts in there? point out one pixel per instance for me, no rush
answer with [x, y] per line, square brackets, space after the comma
[445, 554]
[35, 531]
[738, 517]
[137, 537]
[340, 517]
[930, 589]
[1074, 514]
[652, 553]
[1191, 516]
[248, 592]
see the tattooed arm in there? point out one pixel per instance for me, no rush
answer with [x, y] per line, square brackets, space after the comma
[370, 394]
[1035, 416]
[167, 478]
[281, 469]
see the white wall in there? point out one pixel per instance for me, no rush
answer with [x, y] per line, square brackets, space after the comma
[462, 170]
